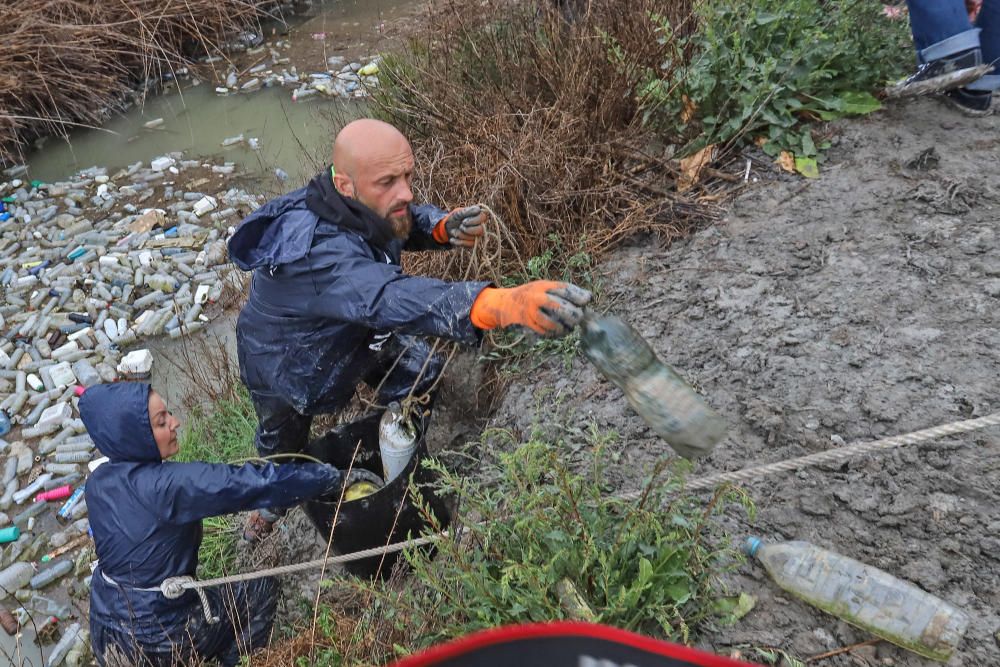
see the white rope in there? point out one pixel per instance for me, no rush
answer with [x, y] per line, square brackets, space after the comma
[174, 587]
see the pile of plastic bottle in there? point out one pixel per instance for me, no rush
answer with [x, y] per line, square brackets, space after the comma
[87, 272]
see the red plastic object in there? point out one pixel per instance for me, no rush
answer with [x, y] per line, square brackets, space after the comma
[564, 644]
[58, 493]
[79, 390]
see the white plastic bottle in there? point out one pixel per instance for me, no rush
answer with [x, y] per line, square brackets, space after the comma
[397, 440]
[864, 596]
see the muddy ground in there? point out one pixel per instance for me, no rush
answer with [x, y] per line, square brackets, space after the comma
[854, 306]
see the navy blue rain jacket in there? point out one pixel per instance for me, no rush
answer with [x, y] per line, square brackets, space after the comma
[146, 513]
[327, 279]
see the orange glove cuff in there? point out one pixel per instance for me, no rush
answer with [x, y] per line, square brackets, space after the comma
[440, 232]
[486, 307]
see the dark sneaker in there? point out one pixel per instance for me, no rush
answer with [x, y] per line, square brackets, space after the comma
[970, 102]
[940, 75]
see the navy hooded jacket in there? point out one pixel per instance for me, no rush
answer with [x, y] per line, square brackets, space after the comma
[146, 513]
[327, 278]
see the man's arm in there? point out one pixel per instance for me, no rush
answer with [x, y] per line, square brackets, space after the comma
[425, 218]
[351, 286]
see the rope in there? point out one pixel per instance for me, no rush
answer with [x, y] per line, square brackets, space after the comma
[838, 455]
[174, 587]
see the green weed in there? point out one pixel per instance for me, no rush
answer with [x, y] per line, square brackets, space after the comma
[765, 68]
[518, 352]
[546, 529]
[224, 435]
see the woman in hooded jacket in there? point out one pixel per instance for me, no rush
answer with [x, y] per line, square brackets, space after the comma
[145, 514]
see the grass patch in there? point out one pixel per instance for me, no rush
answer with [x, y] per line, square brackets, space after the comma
[542, 539]
[224, 434]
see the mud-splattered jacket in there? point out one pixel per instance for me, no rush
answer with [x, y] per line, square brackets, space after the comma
[146, 513]
[327, 285]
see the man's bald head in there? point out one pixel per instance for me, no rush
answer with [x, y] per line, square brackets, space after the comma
[373, 163]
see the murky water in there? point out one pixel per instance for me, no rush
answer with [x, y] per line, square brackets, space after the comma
[293, 135]
[196, 121]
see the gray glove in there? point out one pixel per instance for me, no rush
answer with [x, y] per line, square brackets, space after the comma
[461, 227]
[571, 300]
[361, 475]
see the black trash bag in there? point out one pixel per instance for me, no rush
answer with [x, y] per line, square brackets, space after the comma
[368, 522]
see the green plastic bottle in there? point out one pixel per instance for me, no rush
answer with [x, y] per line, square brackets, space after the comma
[657, 393]
[864, 596]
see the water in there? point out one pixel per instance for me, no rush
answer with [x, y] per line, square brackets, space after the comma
[197, 121]
[294, 136]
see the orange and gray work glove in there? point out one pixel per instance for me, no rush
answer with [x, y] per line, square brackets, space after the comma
[546, 307]
[461, 227]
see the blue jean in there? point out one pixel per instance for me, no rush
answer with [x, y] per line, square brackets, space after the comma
[941, 28]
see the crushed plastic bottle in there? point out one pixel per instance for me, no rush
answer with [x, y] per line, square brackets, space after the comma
[62, 649]
[864, 596]
[51, 574]
[15, 577]
[43, 605]
[655, 390]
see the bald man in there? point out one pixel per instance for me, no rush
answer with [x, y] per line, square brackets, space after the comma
[330, 306]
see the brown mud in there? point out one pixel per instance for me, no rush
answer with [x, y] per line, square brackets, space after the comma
[816, 313]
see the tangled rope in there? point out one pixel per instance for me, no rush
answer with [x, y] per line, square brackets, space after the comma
[174, 587]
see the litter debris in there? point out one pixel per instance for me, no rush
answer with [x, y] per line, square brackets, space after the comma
[655, 390]
[136, 365]
[864, 596]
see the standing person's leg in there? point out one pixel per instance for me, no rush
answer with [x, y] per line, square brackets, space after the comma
[939, 28]
[280, 429]
[976, 98]
[988, 22]
[947, 47]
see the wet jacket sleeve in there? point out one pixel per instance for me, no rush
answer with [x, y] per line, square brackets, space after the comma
[378, 295]
[186, 492]
[425, 217]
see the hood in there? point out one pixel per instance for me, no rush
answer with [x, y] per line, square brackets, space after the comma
[323, 199]
[258, 242]
[117, 419]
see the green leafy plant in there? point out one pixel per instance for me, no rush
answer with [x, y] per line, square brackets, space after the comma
[765, 68]
[520, 352]
[541, 532]
[225, 434]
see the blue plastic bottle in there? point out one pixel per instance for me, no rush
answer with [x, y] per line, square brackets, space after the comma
[4, 423]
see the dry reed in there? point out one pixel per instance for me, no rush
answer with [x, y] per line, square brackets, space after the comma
[70, 63]
[535, 114]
